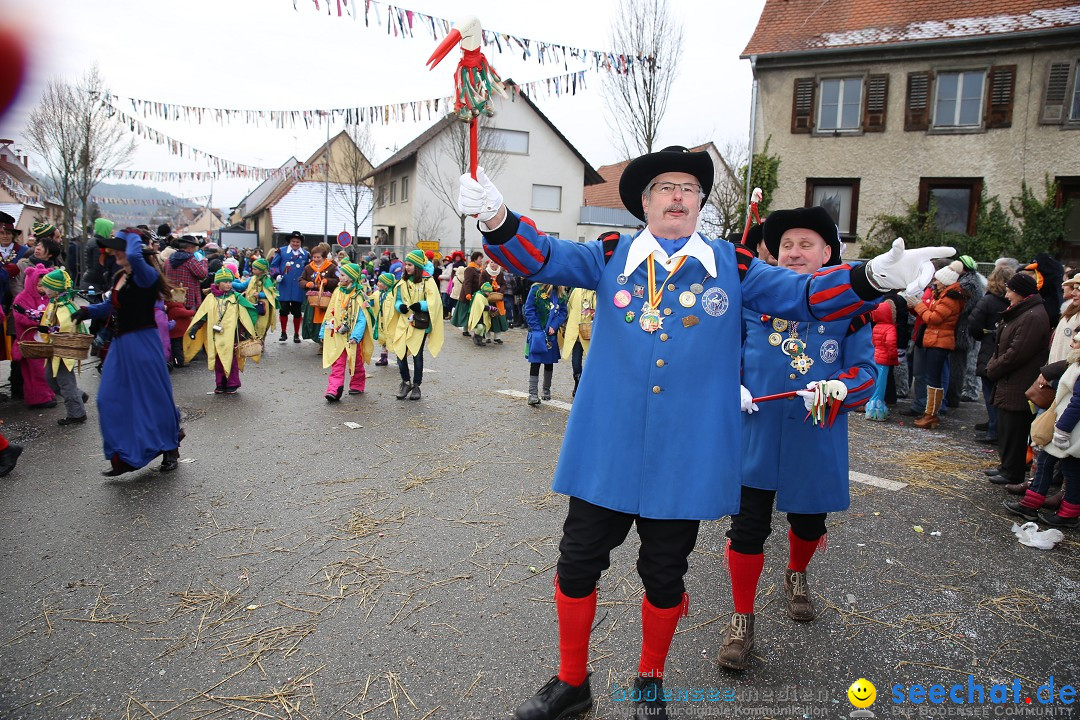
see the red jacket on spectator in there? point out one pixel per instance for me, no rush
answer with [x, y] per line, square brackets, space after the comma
[884, 319]
[176, 311]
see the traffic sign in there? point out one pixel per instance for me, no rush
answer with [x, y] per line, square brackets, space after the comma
[344, 239]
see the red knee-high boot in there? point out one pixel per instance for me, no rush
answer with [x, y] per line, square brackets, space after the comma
[296, 326]
[575, 623]
[800, 551]
[745, 572]
[657, 629]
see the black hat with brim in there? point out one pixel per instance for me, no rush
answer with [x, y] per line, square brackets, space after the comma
[6, 219]
[111, 243]
[812, 218]
[641, 171]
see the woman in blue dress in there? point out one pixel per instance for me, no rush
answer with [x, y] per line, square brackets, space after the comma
[545, 313]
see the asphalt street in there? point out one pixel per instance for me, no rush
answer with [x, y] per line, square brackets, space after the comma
[297, 567]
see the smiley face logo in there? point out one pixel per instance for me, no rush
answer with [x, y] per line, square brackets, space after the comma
[862, 693]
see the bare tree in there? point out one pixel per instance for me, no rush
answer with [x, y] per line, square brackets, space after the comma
[103, 142]
[52, 131]
[636, 95]
[449, 158]
[427, 222]
[722, 216]
[354, 193]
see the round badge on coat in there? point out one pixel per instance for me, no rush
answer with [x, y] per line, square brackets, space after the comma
[775, 339]
[687, 299]
[1068, 331]
[697, 288]
[779, 324]
[830, 351]
[622, 279]
[714, 301]
[622, 299]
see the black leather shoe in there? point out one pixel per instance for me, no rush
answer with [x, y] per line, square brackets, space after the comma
[71, 421]
[296, 338]
[992, 471]
[1052, 518]
[284, 337]
[986, 440]
[1016, 508]
[1002, 480]
[170, 460]
[648, 697]
[119, 467]
[8, 457]
[982, 427]
[556, 701]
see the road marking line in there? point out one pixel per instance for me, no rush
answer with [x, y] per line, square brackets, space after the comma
[876, 481]
[555, 403]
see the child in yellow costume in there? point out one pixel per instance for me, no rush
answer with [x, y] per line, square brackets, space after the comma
[346, 333]
[385, 317]
[480, 315]
[419, 307]
[580, 308]
[232, 318]
[58, 318]
[259, 288]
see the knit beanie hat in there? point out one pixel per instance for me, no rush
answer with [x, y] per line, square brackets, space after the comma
[1022, 284]
[486, 288]
[57, 280]
[42, 230]
[417, 258]
[104, 228]
[224, 275]
[969, 262]
[387, 279]
[261, 264]
[352, 270]
[950, 273]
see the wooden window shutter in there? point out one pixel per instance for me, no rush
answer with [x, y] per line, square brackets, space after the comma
[999, 106]
[802, 105]
[875, 101]
[1055, 92]
[917, 112]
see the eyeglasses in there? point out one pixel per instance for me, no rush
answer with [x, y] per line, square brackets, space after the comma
[667, 188]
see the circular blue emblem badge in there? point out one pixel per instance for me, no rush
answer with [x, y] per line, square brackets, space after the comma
[714, 301]
[830, 351]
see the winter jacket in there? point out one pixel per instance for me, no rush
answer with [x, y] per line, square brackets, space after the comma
[183, 269]
[984, 318]
[940, 314]
[1023, 343]
[1062, 337]
[885, 349]
[974, 287]
[1066, 407]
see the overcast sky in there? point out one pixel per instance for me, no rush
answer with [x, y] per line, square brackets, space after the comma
[266, 55]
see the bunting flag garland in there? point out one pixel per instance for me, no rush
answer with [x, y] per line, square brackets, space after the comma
[296, 172]
[102, 200]
[411, 111]
[402, 23]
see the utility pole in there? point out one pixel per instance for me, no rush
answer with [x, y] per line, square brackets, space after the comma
[326, 186]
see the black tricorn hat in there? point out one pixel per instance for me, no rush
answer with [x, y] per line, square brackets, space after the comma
[812, 218]
[640, 172]
[6, 219]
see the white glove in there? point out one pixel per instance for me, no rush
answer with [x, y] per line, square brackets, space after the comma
[746, 401]
[1061, 439]
[478, 197]
[823, 389]
[901, 269]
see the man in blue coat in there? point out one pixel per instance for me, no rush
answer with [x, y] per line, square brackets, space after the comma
[785, 456]
[286, 269]
[657, 411]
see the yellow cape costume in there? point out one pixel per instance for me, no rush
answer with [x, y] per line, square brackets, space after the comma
[345, 307]
[407, 339]
[386, 318]
[478, 312]
[225, 312]
[263, 284]
[581, 303]
[59, 314]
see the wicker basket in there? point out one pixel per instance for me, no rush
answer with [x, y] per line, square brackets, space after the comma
[249, 348]
[35, 349]
[318, 299]
[584, 330]
[495, 296]
[73, 346]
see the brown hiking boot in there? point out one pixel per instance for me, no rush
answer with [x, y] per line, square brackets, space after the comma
[799, 605]
[738, 642]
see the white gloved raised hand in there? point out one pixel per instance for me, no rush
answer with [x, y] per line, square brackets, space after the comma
[902, 269]
[1061, 439]
[826, 389]
[746, 401]
[478, 197]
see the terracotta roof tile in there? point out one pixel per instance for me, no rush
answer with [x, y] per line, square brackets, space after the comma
[802, 25]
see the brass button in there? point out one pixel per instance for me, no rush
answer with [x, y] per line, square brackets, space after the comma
[663, 337]
[791, 376]
[660, 363]
[667, 311]
[671, 286]
[656, 389]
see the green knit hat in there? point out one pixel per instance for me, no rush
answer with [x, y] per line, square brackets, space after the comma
[224, 275]
[103, 228]
[353, 271]
[968, 261]
[57, 280]
[43, 230]
[388, 279]
[261, 264]
[486, 288]
[417, 258]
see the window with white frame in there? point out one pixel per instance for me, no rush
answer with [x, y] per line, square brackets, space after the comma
[382, 195]
[393, 192]
[547, 197]
[1075, 114]
[404, 232]
[841, 100]
[405, 189]
[958, 100]
[502, 140]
